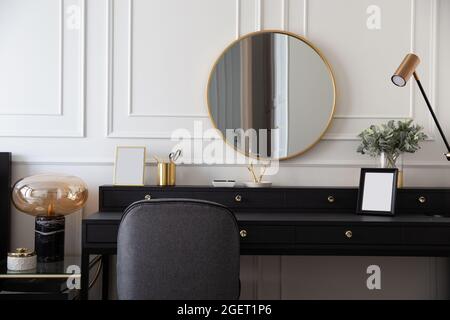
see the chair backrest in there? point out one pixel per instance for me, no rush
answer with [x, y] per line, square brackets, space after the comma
[178, 249]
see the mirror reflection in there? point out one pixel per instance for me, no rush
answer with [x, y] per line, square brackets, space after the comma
[271, 94]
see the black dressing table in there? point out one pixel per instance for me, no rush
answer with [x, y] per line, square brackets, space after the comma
[290, 221]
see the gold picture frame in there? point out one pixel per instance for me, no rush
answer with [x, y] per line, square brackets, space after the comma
[129, 166]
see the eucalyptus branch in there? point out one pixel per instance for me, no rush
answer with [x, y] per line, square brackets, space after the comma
[393, 138]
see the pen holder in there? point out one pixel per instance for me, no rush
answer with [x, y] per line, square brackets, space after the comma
[166, 174]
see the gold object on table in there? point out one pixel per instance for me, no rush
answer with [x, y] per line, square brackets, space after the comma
[21, 259]
[21, 252]
[49, 194]
[400, 179]
[166, 174]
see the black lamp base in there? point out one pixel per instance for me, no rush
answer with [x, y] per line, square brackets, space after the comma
[49, 238]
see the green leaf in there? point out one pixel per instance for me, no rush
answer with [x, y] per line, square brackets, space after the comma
[393, 137]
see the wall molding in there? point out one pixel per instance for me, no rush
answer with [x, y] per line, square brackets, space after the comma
[411, 86]
[131, 113]
[284, 14]
[290, 164]
[238, 19]
[432, 83]
[259, 24]
[305, 18]
[110, 133]
[110, 68]
[59, 107]
[433, 48]
[80, 131]
[258, 15]
[83, 66]
[431, 131]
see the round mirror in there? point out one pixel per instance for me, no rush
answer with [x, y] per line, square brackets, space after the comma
[271, 94]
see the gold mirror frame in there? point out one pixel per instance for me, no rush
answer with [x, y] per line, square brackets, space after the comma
[307, 42]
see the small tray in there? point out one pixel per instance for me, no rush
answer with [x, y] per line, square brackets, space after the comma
[224, 183]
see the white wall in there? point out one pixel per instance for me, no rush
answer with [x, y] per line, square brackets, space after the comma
[135, 91]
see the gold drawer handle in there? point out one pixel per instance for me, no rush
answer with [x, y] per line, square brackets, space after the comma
[238, 198]
[148, 197]
[243, 233]
[422, 199]
[331, 199]
[348, 234]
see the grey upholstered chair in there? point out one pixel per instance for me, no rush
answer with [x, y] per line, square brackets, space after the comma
[178, 249]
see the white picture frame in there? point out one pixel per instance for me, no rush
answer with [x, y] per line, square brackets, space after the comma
[129, 166]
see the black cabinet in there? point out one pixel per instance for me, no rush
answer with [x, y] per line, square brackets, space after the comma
[426, 201]
[5, 202]
[291, 220]
[118, 198]
[294, 220]
[102, 233]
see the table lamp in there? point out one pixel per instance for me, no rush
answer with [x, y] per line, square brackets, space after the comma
[49, 197]
[401, 77]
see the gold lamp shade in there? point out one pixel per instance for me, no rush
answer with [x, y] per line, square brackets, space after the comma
[49, 194]
[405, 70]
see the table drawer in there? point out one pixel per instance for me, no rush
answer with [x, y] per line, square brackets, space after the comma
[118, 200]
[427, 235]
[421, 201]
[267, 234]
[348, 235]
[322, 199]
[252, 199]
[101, 233]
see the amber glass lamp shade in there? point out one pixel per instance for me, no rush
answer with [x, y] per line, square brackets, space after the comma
[49, 195]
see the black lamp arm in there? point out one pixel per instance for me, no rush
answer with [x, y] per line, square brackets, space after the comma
[432, 114]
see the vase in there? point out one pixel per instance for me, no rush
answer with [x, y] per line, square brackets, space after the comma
[389, 160]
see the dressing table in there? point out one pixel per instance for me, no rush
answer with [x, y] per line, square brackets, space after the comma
[272, 95]
[291, 221]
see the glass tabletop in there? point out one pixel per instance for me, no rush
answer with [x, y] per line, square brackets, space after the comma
[70, 267]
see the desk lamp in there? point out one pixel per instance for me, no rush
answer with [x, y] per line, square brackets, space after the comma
[401, 77]
[49, 197]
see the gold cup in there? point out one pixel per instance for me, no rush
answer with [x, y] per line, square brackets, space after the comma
[166, 174]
